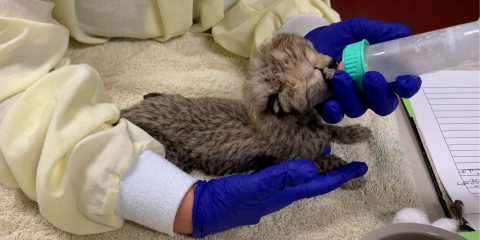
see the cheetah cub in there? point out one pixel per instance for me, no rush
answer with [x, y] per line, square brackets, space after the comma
[274, 122]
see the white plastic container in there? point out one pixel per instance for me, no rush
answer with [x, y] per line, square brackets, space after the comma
[415, 55]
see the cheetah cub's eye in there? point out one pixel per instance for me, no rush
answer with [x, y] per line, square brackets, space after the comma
[321, 71]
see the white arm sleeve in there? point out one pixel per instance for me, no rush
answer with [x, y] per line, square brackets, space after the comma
[302, 24]
[151, 191]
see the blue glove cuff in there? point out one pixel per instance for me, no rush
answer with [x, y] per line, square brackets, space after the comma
[314, 32]
[198, 231]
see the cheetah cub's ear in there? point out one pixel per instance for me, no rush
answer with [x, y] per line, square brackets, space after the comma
[288, 76]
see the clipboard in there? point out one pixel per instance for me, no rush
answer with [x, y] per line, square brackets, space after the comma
[450, 208]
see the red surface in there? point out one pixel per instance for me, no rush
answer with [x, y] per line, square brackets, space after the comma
[420, 15]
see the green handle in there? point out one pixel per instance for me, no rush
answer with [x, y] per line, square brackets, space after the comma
[354, 61]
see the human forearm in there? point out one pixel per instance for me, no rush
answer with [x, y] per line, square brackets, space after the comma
[183, 219]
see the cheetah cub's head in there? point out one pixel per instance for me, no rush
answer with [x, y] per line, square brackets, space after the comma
[288, 76]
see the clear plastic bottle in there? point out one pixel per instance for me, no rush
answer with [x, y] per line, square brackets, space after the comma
[415, 55]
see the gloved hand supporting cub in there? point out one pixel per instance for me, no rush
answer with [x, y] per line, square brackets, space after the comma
[238, 200]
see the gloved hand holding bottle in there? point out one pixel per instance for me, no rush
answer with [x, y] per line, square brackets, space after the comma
[378, 95]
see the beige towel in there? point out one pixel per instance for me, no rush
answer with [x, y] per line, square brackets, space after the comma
[194, 65]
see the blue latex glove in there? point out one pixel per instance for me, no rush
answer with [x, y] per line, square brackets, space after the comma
[378, 95]
[238, 200]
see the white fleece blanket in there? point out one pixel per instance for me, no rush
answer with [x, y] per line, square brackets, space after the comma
[194, 65]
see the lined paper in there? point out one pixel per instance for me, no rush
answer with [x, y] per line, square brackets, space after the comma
[447, 110]
[457, 112]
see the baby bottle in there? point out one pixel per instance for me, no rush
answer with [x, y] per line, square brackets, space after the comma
[414, 55]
